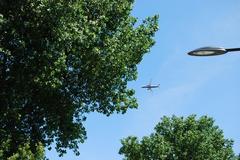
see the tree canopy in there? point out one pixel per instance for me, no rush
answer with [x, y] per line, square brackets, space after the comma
[61, 59]
[23, 152]
[178, 138]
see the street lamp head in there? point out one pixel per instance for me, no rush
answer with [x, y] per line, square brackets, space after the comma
[208, 51]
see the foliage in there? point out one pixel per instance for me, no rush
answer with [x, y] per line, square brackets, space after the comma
[179, 138]
[61, 59]
[23, 152]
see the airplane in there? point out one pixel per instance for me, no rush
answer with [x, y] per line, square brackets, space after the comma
[149, 86]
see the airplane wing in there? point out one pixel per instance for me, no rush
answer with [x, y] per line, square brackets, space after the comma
[149, 89]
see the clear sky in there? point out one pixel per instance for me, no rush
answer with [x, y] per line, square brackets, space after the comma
[189, 85]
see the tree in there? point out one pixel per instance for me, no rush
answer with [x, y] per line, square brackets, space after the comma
[60, 60]
[23, 152]
[179, 138]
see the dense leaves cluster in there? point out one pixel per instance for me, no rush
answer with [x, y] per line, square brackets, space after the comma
[61, 59]
[179, 138]
[23, 152]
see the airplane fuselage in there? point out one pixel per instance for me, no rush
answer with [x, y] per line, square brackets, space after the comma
[150, 86]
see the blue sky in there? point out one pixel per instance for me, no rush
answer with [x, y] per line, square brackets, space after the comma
[189, 85]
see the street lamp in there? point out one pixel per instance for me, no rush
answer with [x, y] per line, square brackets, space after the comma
[211, 51]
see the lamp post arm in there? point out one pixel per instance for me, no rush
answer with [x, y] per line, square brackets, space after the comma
[232, 49]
